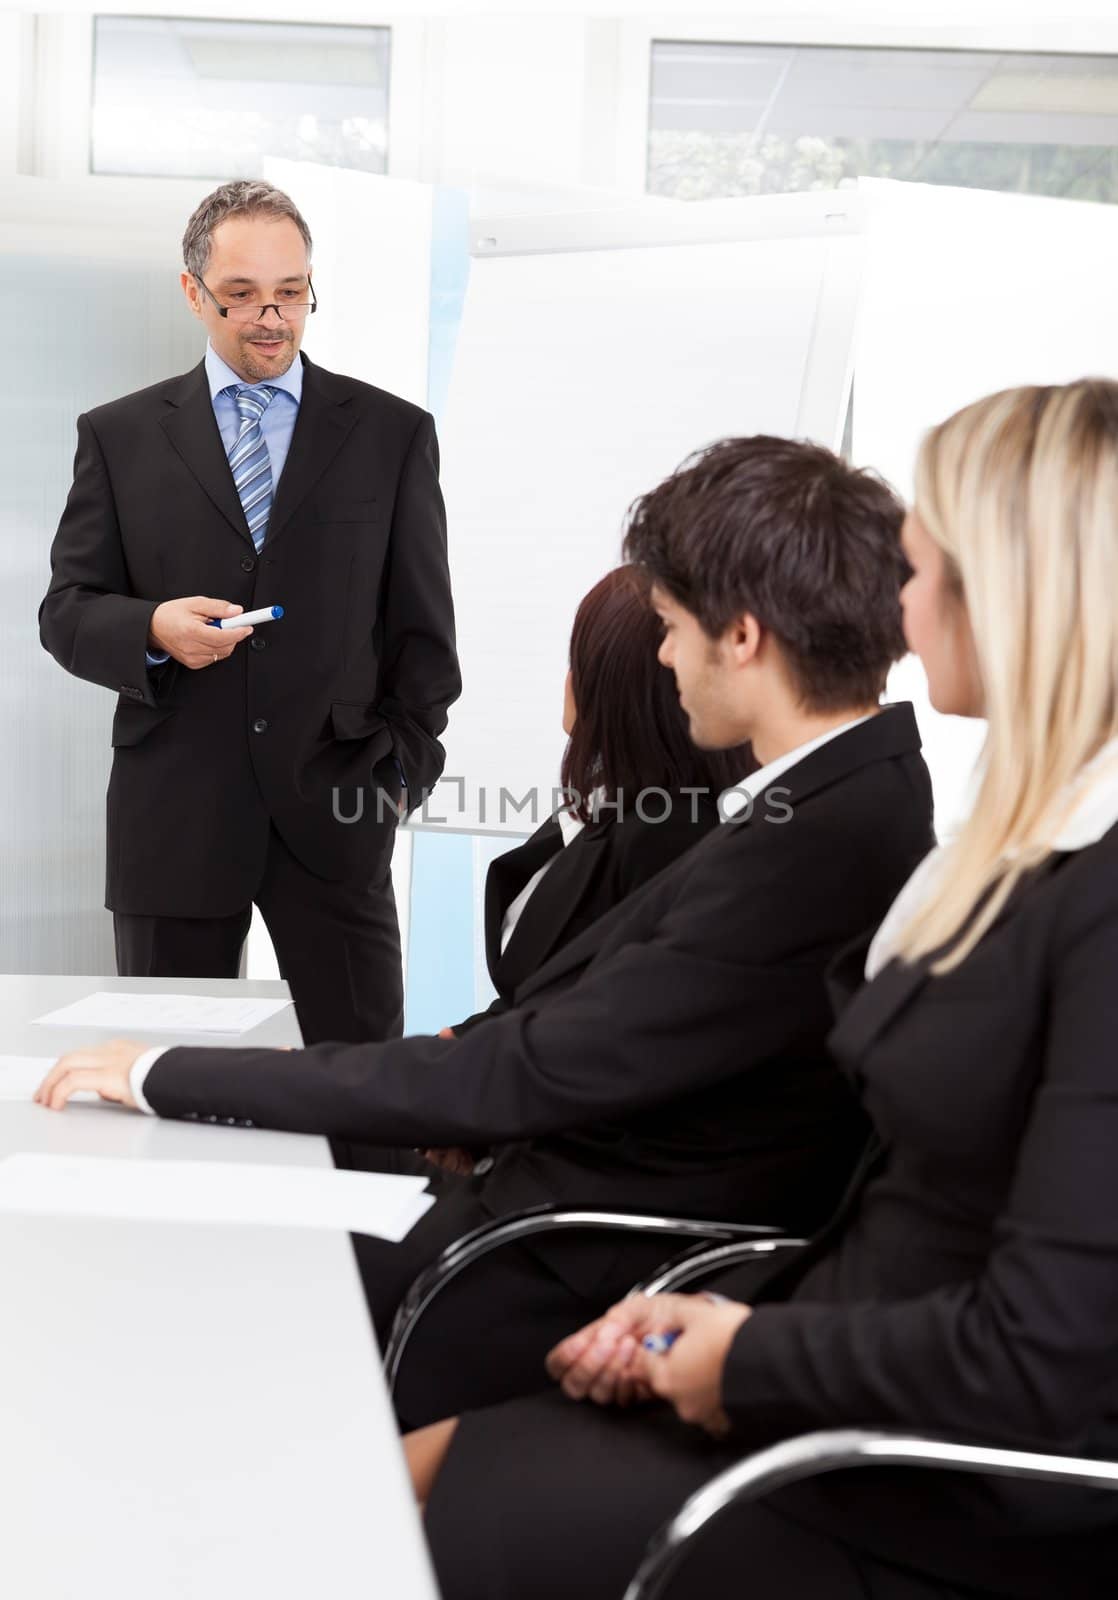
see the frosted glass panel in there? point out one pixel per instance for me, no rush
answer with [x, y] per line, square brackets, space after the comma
[84, 331]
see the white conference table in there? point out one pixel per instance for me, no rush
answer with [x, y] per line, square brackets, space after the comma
[187, 1412]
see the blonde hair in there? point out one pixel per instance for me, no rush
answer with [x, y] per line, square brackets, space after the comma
[1020, 493]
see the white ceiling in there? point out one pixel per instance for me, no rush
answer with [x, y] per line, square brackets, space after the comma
[923, 95]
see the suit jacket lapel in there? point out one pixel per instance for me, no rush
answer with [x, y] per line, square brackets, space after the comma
[578, 952]
[508, 875]
[880, 1000]
[891, 733]
[873, 1007]
[553, 903]
[326, 415]
[192, 428]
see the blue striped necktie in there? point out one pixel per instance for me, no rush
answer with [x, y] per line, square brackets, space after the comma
[249, 460]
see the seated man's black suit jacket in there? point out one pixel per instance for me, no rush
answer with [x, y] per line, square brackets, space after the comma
[607, 861]
[672, 1055]
[360, 669]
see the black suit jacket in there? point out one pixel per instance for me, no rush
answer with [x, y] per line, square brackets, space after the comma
[595, 872]
[973, 1289]
[360, 669]
[670, 1056]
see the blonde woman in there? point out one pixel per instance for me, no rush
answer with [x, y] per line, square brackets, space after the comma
[970, 1286]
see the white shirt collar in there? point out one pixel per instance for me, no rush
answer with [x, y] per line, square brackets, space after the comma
[734, 800]
[1085, 810]
[571, 826]
[220, 376]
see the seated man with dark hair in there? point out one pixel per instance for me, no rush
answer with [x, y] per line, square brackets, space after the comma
[671, 1057]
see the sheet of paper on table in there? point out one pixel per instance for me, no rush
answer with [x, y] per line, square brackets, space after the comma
[20, 1076]
[382, 1204]
[164, 1013]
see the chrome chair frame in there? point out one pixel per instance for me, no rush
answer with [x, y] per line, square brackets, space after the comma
[832, 1450]
[472, 1247]
[701, 1260]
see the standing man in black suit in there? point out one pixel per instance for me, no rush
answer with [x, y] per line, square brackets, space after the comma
[260, 765]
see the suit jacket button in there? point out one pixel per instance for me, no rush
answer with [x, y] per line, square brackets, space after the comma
[211, 1119]
[256, 643]
[248, 563]
[260, 725]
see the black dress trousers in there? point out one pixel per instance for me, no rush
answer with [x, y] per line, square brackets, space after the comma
[337, 944]
[550, 1499]
[484, 1339]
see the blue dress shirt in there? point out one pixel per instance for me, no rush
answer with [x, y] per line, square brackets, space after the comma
[277, 424]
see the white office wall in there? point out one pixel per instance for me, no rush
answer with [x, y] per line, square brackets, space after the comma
[509, 101]
[966, 293]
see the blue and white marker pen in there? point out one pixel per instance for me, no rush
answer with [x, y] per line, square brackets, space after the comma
[658, 1344]
[248, 619]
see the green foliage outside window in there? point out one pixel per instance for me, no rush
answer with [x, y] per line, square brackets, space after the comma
[688, 164]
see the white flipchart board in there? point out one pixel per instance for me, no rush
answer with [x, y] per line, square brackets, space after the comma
[594, 354]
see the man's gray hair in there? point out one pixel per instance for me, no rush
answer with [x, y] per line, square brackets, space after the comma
[243, 197]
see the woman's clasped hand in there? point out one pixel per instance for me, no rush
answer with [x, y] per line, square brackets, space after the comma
[609, 1363]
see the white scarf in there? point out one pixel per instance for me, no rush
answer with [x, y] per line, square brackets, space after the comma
[1088, 807]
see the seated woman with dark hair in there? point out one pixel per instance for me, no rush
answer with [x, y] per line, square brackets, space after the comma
[639, 792]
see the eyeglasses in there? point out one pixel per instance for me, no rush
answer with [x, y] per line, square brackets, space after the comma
[286, 310]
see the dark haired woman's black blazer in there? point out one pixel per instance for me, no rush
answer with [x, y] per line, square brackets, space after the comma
[587, 878]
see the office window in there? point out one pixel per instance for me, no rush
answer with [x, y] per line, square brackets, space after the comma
[177, 98]
[739, 119]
